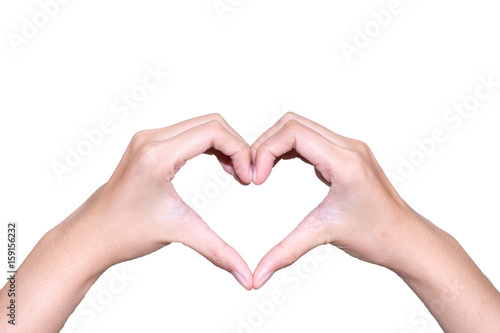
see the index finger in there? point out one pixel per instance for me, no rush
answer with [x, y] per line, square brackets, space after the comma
[290, 116]
[294, 135]
[199, 139]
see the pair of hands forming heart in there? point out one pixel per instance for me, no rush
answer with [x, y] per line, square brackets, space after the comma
[362, 213]
[138, 211]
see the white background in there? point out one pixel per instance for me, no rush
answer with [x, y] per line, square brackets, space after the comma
[262, 58]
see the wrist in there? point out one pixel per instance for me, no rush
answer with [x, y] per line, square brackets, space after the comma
[86, 236]
[56, 275]
[419, 245]
[78, 249]
[436, 267]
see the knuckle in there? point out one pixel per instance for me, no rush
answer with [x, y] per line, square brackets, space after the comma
[244, 150]
[213, 127]
[217, 256]
[288, 116]
[216, 259]
[354, 165]
[292, 126]
[139, 139]
[149, 155]
[355, 159]
[216, 116]
[362, 147]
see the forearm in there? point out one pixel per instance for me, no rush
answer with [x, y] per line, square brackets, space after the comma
[449, 283]
[52, 280]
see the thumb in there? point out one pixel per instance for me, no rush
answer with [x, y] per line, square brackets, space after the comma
[206, 242]
[301, 240]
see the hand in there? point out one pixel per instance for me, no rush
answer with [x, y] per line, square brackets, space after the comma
[135, 213]
[362, 213]
[364, 216]
[138, 211]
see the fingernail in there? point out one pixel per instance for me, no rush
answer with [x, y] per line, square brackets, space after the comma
[264, 280]
[240, 279]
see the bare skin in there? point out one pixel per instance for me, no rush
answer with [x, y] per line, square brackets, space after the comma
[138, 199]
[362, 214]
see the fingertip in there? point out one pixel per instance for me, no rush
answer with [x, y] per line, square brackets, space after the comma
[244, 174]
[262, 169]
[258, 178]
[249, 174]
[252, 170]
[245, 282]
[242, 177]
[256, 175]
[261, 279]
[241, 271]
